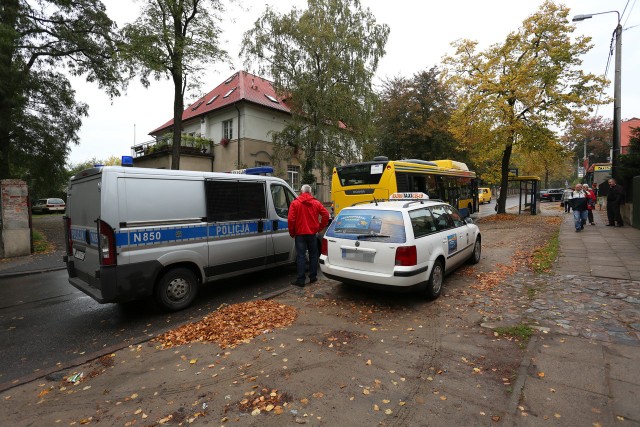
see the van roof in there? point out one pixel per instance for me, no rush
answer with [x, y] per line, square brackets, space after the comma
[170, 172]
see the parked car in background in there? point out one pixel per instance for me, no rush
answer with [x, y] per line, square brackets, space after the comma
[48, 205]
[484, 195]
[401, 244]
[551, 195]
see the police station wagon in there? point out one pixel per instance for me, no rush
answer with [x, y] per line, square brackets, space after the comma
[409, 242]
[133, 233]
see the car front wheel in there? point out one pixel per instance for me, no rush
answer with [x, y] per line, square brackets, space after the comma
[477, 252]
[434, 284]
[176, 289]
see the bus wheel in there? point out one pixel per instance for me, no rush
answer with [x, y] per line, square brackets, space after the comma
[176, 289]
[434, 284]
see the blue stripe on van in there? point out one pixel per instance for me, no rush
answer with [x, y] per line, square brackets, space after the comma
[160, 235]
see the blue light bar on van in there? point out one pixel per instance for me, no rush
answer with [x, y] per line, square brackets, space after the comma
[258, 170]
[127, 161]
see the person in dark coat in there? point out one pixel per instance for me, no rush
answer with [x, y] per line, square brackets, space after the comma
[578, 202]
[615, 198]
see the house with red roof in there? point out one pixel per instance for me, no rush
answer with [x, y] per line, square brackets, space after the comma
[228, 128]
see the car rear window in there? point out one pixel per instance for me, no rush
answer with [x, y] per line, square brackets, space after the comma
[368, 224]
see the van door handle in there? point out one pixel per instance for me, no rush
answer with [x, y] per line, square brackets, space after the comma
[275, 225]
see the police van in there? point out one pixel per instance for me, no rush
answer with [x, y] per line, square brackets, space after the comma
[133, 233]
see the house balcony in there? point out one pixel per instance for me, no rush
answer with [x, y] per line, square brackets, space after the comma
[161, 147]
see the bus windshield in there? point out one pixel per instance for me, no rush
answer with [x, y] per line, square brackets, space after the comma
[360, 173]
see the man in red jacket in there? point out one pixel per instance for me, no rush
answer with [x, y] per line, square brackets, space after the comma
[307, 216]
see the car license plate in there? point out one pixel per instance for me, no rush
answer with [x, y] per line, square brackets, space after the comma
[360, 256]
[78, 254]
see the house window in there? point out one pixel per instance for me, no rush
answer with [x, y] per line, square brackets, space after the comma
[258, 164]
[293, 174]
[227, 129]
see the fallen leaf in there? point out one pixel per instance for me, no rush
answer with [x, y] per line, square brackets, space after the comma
[388, 411]
[376, 408]
[368, 362]
[540, 374]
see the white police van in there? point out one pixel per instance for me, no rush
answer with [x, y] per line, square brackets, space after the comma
[132, 233]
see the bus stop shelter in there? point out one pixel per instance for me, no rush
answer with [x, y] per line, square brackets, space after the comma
[528, 198]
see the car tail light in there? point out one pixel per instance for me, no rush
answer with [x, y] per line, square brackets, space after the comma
[406, 255]
[324, 248]
[106, 244]
[67, 234]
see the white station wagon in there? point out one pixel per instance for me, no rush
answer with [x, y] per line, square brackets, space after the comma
[408, 242]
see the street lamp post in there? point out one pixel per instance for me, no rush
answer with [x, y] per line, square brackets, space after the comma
[616, 90]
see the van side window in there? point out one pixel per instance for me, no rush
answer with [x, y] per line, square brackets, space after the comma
[282, 198]
[235, 200]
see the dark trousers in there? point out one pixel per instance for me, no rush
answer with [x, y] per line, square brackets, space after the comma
[304, 243]
[613, 213]
[590, 216]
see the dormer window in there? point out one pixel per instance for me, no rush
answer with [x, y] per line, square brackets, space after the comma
[230, 92]
[195, 107]
[212, 99]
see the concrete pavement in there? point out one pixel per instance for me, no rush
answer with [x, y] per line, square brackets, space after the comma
[587, 360]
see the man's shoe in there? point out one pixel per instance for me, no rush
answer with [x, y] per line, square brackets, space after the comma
[593, 223]
[313, 280]
[296, 283]
[609, 225]
[577, 230]
[621, 225]
[582, 227]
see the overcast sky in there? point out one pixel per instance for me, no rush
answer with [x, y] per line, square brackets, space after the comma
[421, 33]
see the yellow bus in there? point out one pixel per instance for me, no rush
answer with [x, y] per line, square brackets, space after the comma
[446, 180]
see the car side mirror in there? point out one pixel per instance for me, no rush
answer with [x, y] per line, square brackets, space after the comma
[468, 220]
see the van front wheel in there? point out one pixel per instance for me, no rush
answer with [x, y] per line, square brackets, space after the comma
[176, 289]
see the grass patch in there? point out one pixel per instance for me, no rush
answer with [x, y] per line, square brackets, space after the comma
[543, 257]
[40, 243]
[520, 332]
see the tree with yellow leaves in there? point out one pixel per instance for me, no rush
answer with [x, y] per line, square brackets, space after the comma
[522, 89]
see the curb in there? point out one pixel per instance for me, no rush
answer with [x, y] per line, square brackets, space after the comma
[29, 272]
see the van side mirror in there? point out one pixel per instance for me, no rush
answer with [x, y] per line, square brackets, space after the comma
[468, 220]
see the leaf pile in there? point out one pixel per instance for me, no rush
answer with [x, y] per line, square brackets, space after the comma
[232, 324]
[265, 400]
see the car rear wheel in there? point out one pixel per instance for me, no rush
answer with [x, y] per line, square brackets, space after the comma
[434, 284]
[477, 252]
[176, 289]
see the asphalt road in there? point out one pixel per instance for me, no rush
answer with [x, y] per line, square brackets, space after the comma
[46, 324]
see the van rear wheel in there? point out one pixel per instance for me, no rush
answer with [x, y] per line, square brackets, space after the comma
[176, 289]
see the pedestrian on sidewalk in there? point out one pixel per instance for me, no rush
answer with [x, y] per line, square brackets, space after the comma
[566, 195]
[603, 192]
[615, 198]
[578, 202]
[591, 202]
[307, 216]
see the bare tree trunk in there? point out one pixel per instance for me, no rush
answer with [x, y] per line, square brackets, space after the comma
[504, 183]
